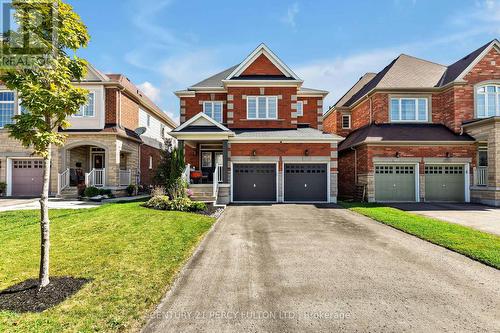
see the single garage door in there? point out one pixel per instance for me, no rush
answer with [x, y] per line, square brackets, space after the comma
[445, 183]
[395, 183]
[306, 182]
[254, 182]
[27, 177]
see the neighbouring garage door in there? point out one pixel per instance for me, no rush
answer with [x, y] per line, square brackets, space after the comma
[306, 182]
[444, 183]
[254, 182]
[27, 177]
[395, 183]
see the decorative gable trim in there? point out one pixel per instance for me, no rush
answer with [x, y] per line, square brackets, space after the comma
[263, 49]
[494, 44]
[204, 119]
[93, 71]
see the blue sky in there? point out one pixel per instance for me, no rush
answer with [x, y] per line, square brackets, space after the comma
[166, 45]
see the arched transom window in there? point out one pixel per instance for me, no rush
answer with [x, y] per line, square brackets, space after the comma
[488, 100]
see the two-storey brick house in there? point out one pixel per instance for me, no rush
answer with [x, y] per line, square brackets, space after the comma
[254, 133]
[421, 131]
[113, 141]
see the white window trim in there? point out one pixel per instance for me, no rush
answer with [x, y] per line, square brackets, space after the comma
[301, 103]
[16, 102]
[81, 108]
[342, 121]
[267, 107]
[416, 120]
[497, 99]
[213, 104]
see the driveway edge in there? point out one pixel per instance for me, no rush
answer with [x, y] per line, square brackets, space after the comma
[156, 314]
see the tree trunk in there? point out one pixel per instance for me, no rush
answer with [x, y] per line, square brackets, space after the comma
[43, 279]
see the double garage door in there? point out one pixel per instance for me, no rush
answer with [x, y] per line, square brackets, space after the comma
[27, 177]
[258, 182]
[395, 183]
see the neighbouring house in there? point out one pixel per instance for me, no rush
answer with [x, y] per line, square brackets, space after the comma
[114, 141]
[253, 133]
[421, 131]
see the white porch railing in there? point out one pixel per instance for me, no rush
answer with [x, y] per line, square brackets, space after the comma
[96, 178]
[186, 175]
[125, 177]
[220, 173]
[62, 181]
[481, 176]
[215, 184]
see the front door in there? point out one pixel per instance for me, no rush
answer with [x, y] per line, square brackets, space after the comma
[209, 159]
[98, 161]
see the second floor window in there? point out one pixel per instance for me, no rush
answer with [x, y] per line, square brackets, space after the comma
[346, 121]
[300, 109]
[262, 107]
[213, 110]
[87, 110]
[409, 109]
[488, 101]
[7, 107]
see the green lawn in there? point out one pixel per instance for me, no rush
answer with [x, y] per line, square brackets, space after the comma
[130, 253]
[481, 246]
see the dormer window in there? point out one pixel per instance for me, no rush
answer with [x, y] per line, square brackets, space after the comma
[488, 101]
[88, 109]
[213, 110]
[262, 107]
[409, 109]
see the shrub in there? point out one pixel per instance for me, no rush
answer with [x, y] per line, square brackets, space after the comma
[157, 191]
[131, 189]
[180, 204]
[160, 202]
[197, 206]
[91, 191]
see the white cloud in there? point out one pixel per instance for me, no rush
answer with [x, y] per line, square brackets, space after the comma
[150, 90]
[291, 13]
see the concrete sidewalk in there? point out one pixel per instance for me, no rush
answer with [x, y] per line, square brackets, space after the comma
[28, 204]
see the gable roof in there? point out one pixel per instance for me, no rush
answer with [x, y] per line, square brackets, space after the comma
[410, 72]
[355, 88]
[458, 69]
[262, 49]
[375, 133]
[202, 121]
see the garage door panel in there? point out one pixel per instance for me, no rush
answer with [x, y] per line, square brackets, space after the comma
[27, 177]
[445, 183]
[306, 182]
[254, 182]
[395, 183]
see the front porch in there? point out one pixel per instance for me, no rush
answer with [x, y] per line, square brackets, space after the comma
[95, 164]
[486, 175]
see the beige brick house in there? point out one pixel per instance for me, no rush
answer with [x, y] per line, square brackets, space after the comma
[114, 141]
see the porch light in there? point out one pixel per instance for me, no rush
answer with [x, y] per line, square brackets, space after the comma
[306, 152]
[398, 154]
[254, 152]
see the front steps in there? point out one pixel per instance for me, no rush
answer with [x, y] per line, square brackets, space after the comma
[203, 193]
[69, 193]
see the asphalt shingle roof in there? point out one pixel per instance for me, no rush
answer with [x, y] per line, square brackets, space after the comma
[402, 132]
[305, 133]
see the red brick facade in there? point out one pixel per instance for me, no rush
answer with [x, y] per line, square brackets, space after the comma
[148, 174]
[262, 66]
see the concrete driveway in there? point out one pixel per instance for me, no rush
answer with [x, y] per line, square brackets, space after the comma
[480, 217]
[300, 268]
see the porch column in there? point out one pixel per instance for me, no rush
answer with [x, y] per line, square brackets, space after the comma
[180, 145]
[225, 162]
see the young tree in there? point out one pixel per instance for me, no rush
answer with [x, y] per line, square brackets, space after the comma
[170, 169]
[46, 89]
